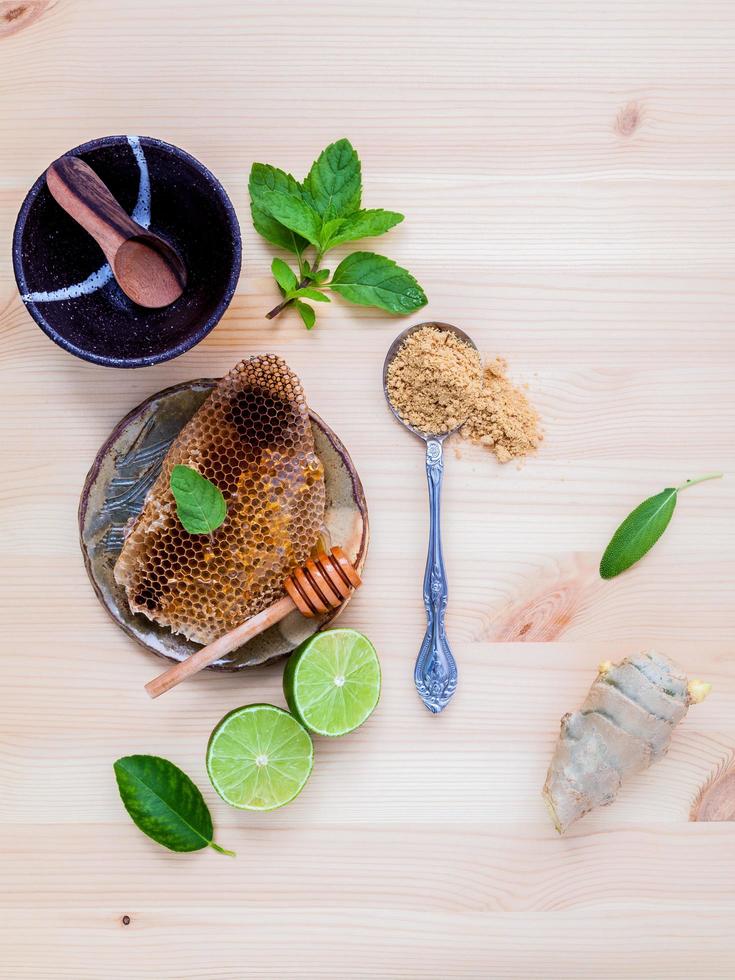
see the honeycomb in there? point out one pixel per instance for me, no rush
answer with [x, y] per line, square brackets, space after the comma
[252, 438]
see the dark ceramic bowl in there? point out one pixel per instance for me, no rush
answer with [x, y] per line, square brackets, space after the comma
[69, 289]
[115, 490]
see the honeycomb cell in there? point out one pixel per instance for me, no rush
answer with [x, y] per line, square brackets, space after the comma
[252, 438]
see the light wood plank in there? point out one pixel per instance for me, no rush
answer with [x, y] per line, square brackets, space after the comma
[568, 175]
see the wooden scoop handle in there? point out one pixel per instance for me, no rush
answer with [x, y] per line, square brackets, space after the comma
[323, 583]
[80, 192]
[219, 647]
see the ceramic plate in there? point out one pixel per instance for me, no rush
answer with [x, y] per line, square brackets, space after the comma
[115, 489]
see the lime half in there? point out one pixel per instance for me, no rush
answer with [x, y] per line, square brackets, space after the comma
[332, 681]
[259, 757]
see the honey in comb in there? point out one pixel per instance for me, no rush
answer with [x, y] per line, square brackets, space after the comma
[252, 438]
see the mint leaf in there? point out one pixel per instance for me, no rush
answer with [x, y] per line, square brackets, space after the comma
[361, 224]
[642, 528]
[306, 313]
[200, 506]
[266, 178]
[288, 208]
[318, 277]
[164, 803]
[374, 280]
[276, 233]
[307, 292]
[334, 183]
[330, 228]
[283, 275]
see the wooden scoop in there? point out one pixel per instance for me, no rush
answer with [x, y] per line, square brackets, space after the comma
[323, 583]
[147, 269]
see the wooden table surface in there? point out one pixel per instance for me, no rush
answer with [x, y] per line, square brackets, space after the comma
[567, 172]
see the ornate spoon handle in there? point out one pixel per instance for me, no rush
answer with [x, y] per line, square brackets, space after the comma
[435, 674]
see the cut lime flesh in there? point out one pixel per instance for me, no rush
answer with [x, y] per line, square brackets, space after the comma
[259, 757]
[332, 681]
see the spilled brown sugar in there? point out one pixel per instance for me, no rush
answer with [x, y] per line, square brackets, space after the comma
[502, 418]
[436, 382]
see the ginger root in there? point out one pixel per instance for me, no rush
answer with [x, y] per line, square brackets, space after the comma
[624, 725]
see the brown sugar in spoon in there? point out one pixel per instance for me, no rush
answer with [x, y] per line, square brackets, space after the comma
[146, 268]
[324, 583]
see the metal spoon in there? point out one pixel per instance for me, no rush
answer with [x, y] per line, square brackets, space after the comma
[147, 269]
[435, 673]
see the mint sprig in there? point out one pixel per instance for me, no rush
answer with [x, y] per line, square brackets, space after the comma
[320, 213]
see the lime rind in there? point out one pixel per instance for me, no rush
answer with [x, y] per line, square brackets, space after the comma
[259, 757]
[332, 682]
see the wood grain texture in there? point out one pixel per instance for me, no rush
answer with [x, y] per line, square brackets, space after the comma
[568, 175]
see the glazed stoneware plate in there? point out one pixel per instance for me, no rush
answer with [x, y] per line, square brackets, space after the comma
[68, 287]
[115, 489]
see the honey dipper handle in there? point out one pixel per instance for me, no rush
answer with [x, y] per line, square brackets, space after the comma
[219, 647]
[435, 674]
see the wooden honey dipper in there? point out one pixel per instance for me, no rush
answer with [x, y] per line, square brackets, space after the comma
[324, 583]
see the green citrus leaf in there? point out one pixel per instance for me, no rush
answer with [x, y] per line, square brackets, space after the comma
[306, 313]
[334, 183]
[374, 280]
[200, 506]
[266, 178]
[164, 803]
[361, 224]
[638, 533]
[283, 275]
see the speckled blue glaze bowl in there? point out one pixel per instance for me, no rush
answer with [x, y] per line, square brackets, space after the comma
[68, 287]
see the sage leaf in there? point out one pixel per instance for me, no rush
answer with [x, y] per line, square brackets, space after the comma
[164, 803]
[306, 313]
[266, 178]
[334, 183]
[642, 528]
[283, 275]
[638, 533]
[362, 224]
[200, 506]
[374, 280]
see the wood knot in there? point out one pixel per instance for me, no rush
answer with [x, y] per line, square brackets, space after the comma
[628, 119]
[125, 920]
[14, 15]
[716, 799]
[550, 601]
